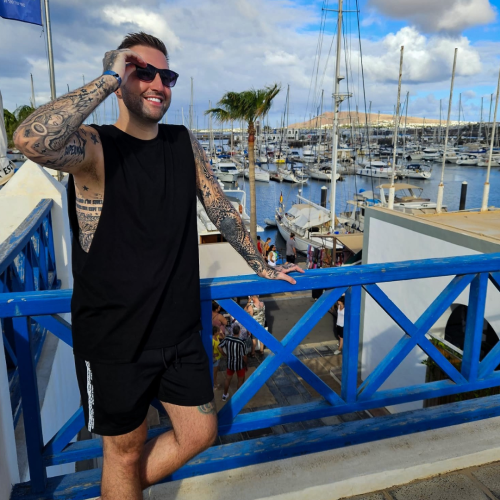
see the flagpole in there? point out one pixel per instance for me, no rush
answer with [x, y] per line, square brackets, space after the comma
[48, 32]
[50, 51]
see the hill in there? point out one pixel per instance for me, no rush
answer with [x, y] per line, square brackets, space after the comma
[374, 119]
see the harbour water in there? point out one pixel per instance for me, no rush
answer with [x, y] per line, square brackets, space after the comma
[268, 194]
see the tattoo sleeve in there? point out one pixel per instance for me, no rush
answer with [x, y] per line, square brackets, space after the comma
[223, 215]
[54, 136]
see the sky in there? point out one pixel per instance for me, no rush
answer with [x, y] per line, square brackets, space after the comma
[234, 45]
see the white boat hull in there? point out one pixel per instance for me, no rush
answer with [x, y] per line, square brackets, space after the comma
[224, 177]
[379, 173]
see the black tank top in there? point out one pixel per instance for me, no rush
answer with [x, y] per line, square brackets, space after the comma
[138, 286]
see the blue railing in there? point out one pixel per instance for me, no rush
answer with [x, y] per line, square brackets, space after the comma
[27, 263]
[474, 271]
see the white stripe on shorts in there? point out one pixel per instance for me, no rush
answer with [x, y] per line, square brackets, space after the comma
[90, 394]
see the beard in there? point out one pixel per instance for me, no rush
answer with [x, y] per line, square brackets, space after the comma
[138, 106]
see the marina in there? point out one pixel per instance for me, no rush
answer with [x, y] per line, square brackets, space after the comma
[371, 371]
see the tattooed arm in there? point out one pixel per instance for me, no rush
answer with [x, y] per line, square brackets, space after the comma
[227, 220]
[54, 135]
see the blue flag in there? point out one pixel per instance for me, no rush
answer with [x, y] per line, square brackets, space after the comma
[28, 11]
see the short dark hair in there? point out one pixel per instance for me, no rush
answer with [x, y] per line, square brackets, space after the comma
[258, 237]
[236, 329]
[342, 299]
[215, 330]
[292, 235]
[215, 306]
[141, 38]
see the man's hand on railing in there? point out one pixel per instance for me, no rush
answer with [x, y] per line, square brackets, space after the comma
[280, 272]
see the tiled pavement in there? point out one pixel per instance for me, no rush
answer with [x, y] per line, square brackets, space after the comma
[286, 389]
[474, 483]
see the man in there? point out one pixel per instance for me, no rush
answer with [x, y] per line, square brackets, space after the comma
[291, 251]
[135, 307]
[235, 350]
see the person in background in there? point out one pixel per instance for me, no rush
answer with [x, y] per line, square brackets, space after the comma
[291, 250]
[267, 246]
[272, 256]
[260, 248]
[257, 309]
[234, 348]
[340, 324]
[217, 319]
[216, 354]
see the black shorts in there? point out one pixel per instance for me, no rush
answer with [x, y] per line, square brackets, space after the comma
[116, 397]
[290, 258]
[340, 332]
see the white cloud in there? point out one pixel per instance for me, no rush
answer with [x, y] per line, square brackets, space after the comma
[438, 15]
[426, 58]
[235, 45]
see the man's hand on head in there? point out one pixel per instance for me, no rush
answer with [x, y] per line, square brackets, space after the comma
[280, 272]
[122, 62]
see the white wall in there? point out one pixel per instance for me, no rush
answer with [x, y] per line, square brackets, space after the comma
[30, 184]
[59, 395]
[389, 242]
[8, 457]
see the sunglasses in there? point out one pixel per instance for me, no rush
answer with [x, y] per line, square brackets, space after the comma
[148, 74]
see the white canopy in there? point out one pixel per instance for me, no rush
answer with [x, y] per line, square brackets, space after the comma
[306, 216]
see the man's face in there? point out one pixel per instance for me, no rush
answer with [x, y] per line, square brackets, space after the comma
[135, 93]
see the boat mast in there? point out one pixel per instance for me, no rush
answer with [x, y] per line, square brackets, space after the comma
[459, 121]
[392, 189]
[33, 103]
[440, 112]
[320, 127]
[439, 207]
[486, 191]
[337, 100]
[406, 119]
[191, 107]
[480, 122]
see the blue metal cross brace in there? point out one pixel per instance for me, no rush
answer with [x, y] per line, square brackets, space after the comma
[282, 353]
[415, 335]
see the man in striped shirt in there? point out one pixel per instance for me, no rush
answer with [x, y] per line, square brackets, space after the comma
[234, 348]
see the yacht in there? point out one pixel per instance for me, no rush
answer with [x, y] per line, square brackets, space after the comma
[467, 159]
[415, 171]
[226, 171]
[260, 174]
[374, 168]
[309, 222]
[289, 176]
[408, 199]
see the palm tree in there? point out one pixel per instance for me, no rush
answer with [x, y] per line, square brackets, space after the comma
[248, 106]
[13, 120]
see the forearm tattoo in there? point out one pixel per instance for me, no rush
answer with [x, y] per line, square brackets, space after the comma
[224, 216]
[53, 135]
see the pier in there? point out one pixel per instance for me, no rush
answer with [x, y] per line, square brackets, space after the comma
[302, 408]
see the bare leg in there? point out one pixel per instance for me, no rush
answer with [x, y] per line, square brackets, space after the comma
[216, 370]
[120, 471]
[227, 382]
[240, 381]
[194, 430]
[341, 343]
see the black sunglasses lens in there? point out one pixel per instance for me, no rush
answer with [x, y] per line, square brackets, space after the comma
[146, 74]
[169, 78]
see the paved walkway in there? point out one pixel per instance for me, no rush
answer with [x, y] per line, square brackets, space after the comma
[475, 483]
